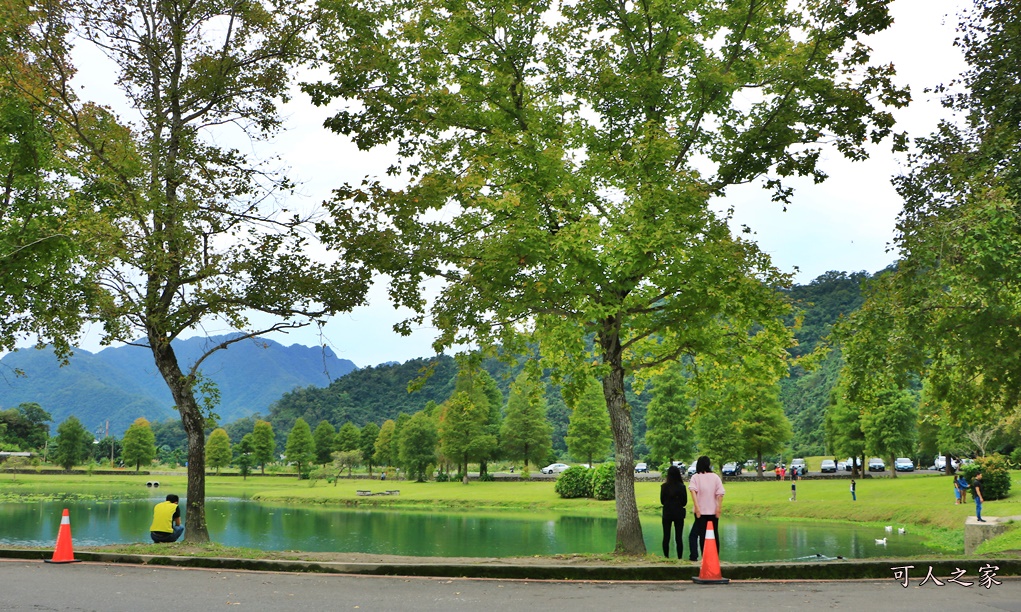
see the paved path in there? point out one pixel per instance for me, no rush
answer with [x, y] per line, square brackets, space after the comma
[32, 585]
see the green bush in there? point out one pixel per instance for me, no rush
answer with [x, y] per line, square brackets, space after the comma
[574, 482]
[487, 477]
[995, 476]
[442, 477]
[603, 486]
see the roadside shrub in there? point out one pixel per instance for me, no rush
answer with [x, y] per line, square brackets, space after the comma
[442, 477]
[487, 477]
[603, 486]
[574, 482]
[995, 476]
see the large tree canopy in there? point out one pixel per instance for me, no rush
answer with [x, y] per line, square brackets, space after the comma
[52, 237]
[202, 235]
[561, 158]
[951, 310]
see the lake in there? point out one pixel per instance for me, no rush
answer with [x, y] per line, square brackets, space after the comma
[235, 522]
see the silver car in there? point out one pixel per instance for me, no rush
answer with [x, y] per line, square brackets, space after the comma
[555, 468]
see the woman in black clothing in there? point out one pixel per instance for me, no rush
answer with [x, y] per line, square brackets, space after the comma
[674, 498]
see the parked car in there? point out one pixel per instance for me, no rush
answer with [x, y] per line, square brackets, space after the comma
[876, 465]
[555, 468]
[691, 470]
[850, 463]
[828, 465]
[642, 468]
[798, 467]
[732, 469]
[842, 466]
[751, 464]
[940, 463]
[903, 464]
[680, 465]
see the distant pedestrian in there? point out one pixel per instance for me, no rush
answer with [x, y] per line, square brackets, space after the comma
[854, 496]
[794, 490]
[962, 486]
[976, 494]
[783, 473]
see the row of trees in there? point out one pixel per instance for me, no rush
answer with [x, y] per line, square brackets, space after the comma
[936, 340]
[457, 432]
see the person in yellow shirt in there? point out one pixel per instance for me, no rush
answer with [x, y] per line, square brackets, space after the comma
[166, 521]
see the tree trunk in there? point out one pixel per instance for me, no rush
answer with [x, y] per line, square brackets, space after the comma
[893, 467]
[629, 529]
[194, 426]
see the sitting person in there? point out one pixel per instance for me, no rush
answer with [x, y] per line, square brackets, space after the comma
[166, 521]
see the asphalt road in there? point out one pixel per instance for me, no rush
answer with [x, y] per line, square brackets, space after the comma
[36, 586]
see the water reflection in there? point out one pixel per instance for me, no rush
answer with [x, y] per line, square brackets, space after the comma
[324, 529]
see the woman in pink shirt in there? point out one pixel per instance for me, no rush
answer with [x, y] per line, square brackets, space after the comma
[707, 496]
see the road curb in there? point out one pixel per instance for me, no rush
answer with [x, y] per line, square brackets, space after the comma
[828, 570]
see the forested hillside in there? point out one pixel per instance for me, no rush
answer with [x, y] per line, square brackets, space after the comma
[267, 380]
[382, 392]
[806, 394]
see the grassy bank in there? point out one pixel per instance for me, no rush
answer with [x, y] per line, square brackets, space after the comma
[922, 502]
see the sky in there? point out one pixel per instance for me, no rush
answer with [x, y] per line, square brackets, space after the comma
[844, 224]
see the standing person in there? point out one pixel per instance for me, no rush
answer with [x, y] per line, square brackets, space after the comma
[674, 498]
[707, 497]
[166, 521]
[962, 485]
[976, 494]
[854, 495]
[794, 489]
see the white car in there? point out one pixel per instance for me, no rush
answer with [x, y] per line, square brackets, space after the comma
[642, 468]
[877, 465]
[555, 468]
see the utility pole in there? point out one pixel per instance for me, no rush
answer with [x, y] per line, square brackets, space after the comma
[113, 443]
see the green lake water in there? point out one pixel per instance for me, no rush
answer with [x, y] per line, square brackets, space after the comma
[234, 522]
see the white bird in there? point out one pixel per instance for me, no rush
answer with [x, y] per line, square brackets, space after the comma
[882, 542]
[901, 530]
[889, 528]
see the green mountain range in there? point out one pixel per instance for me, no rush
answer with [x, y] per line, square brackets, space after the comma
[120, 384]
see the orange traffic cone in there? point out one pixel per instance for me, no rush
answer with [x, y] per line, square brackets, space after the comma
[64, 553]
[710, 572]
